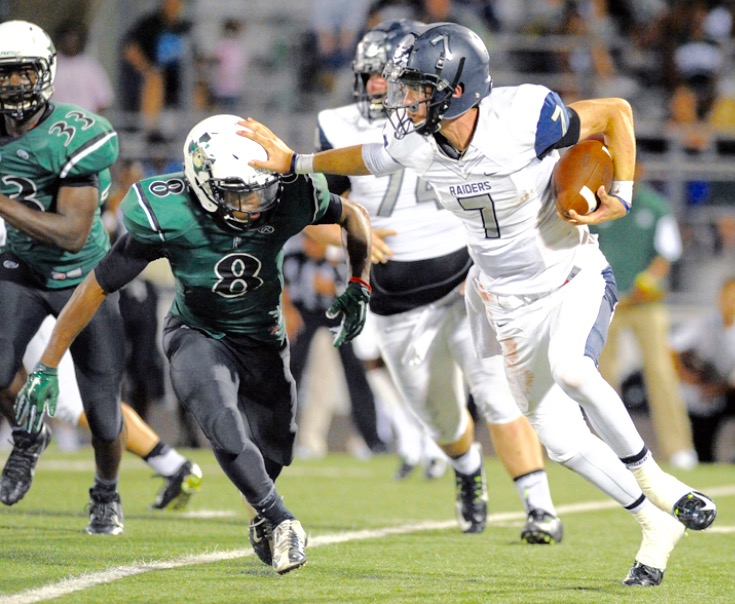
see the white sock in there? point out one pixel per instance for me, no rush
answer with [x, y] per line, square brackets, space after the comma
[167, 463]
[469, 462]
[533, 489]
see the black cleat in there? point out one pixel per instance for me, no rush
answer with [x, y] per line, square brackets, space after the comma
[179, 488]
[17, 475]
[542, 528]
[404, 470]
[260, 532]
[643, 576]
[695, 511]
[471, 502]
[105, 512]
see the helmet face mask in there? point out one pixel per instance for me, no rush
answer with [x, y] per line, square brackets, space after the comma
[408, 91]
[373, 52]
[445, 69]
[246, 203]
[216, 167]
[27, 69]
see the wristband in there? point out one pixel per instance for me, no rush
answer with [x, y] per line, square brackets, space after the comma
[302, 164]
[362, 282]
[46, 369]
[292, 166]
[623, 190]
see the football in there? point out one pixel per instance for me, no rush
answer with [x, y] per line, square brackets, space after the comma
[578, 174]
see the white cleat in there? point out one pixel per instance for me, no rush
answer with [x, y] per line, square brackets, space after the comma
[289, 542]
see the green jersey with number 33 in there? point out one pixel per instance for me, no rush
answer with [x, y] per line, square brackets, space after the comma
[67, 142]
[226, 282]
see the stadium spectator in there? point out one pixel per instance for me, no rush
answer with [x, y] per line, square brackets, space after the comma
[80, 77]
[336, 24]
[231, 64]
[156, 53]
[708, 258]
[387, 10]
[705, 353]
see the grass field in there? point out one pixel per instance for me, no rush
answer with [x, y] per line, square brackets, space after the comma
[371, 540]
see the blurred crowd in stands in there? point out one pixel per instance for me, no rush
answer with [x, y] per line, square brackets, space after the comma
[673, 59]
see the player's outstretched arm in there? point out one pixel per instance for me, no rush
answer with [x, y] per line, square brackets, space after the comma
[351, 306]
[346, 161]
[74, 317]
[355, 224]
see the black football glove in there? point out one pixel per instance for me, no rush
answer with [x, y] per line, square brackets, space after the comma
[352, 305]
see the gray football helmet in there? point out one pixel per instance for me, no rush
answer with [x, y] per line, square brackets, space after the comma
[435, 62]
[372, 54]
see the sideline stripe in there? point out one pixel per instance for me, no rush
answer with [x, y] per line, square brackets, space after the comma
[69, 586]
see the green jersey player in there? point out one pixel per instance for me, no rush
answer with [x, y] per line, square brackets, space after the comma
[222, 226]
[55, 163]
[54, 175]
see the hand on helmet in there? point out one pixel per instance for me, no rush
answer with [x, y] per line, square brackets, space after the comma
[279, 154]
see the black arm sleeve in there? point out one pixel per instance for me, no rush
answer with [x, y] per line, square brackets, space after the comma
[83, 180]
[572, 135]
[333, 215]
[125, 260]
[338, 184]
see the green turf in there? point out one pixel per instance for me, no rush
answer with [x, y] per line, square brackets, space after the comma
[43, 542]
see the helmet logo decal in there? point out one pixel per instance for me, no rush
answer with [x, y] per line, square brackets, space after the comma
[444, 56]
[372, 49]
[198, 156]
[403, 50]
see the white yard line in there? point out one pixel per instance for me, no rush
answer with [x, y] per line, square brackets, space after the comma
[72, 585]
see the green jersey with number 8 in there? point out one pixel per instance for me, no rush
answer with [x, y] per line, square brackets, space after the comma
[226, 282]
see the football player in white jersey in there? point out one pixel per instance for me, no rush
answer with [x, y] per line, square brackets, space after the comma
[544, 286]
[420, 315]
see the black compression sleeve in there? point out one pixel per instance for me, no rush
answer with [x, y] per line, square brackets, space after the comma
[338, 184]
[572, 135]
[125, 260]
[334, 212]
[83, 180]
